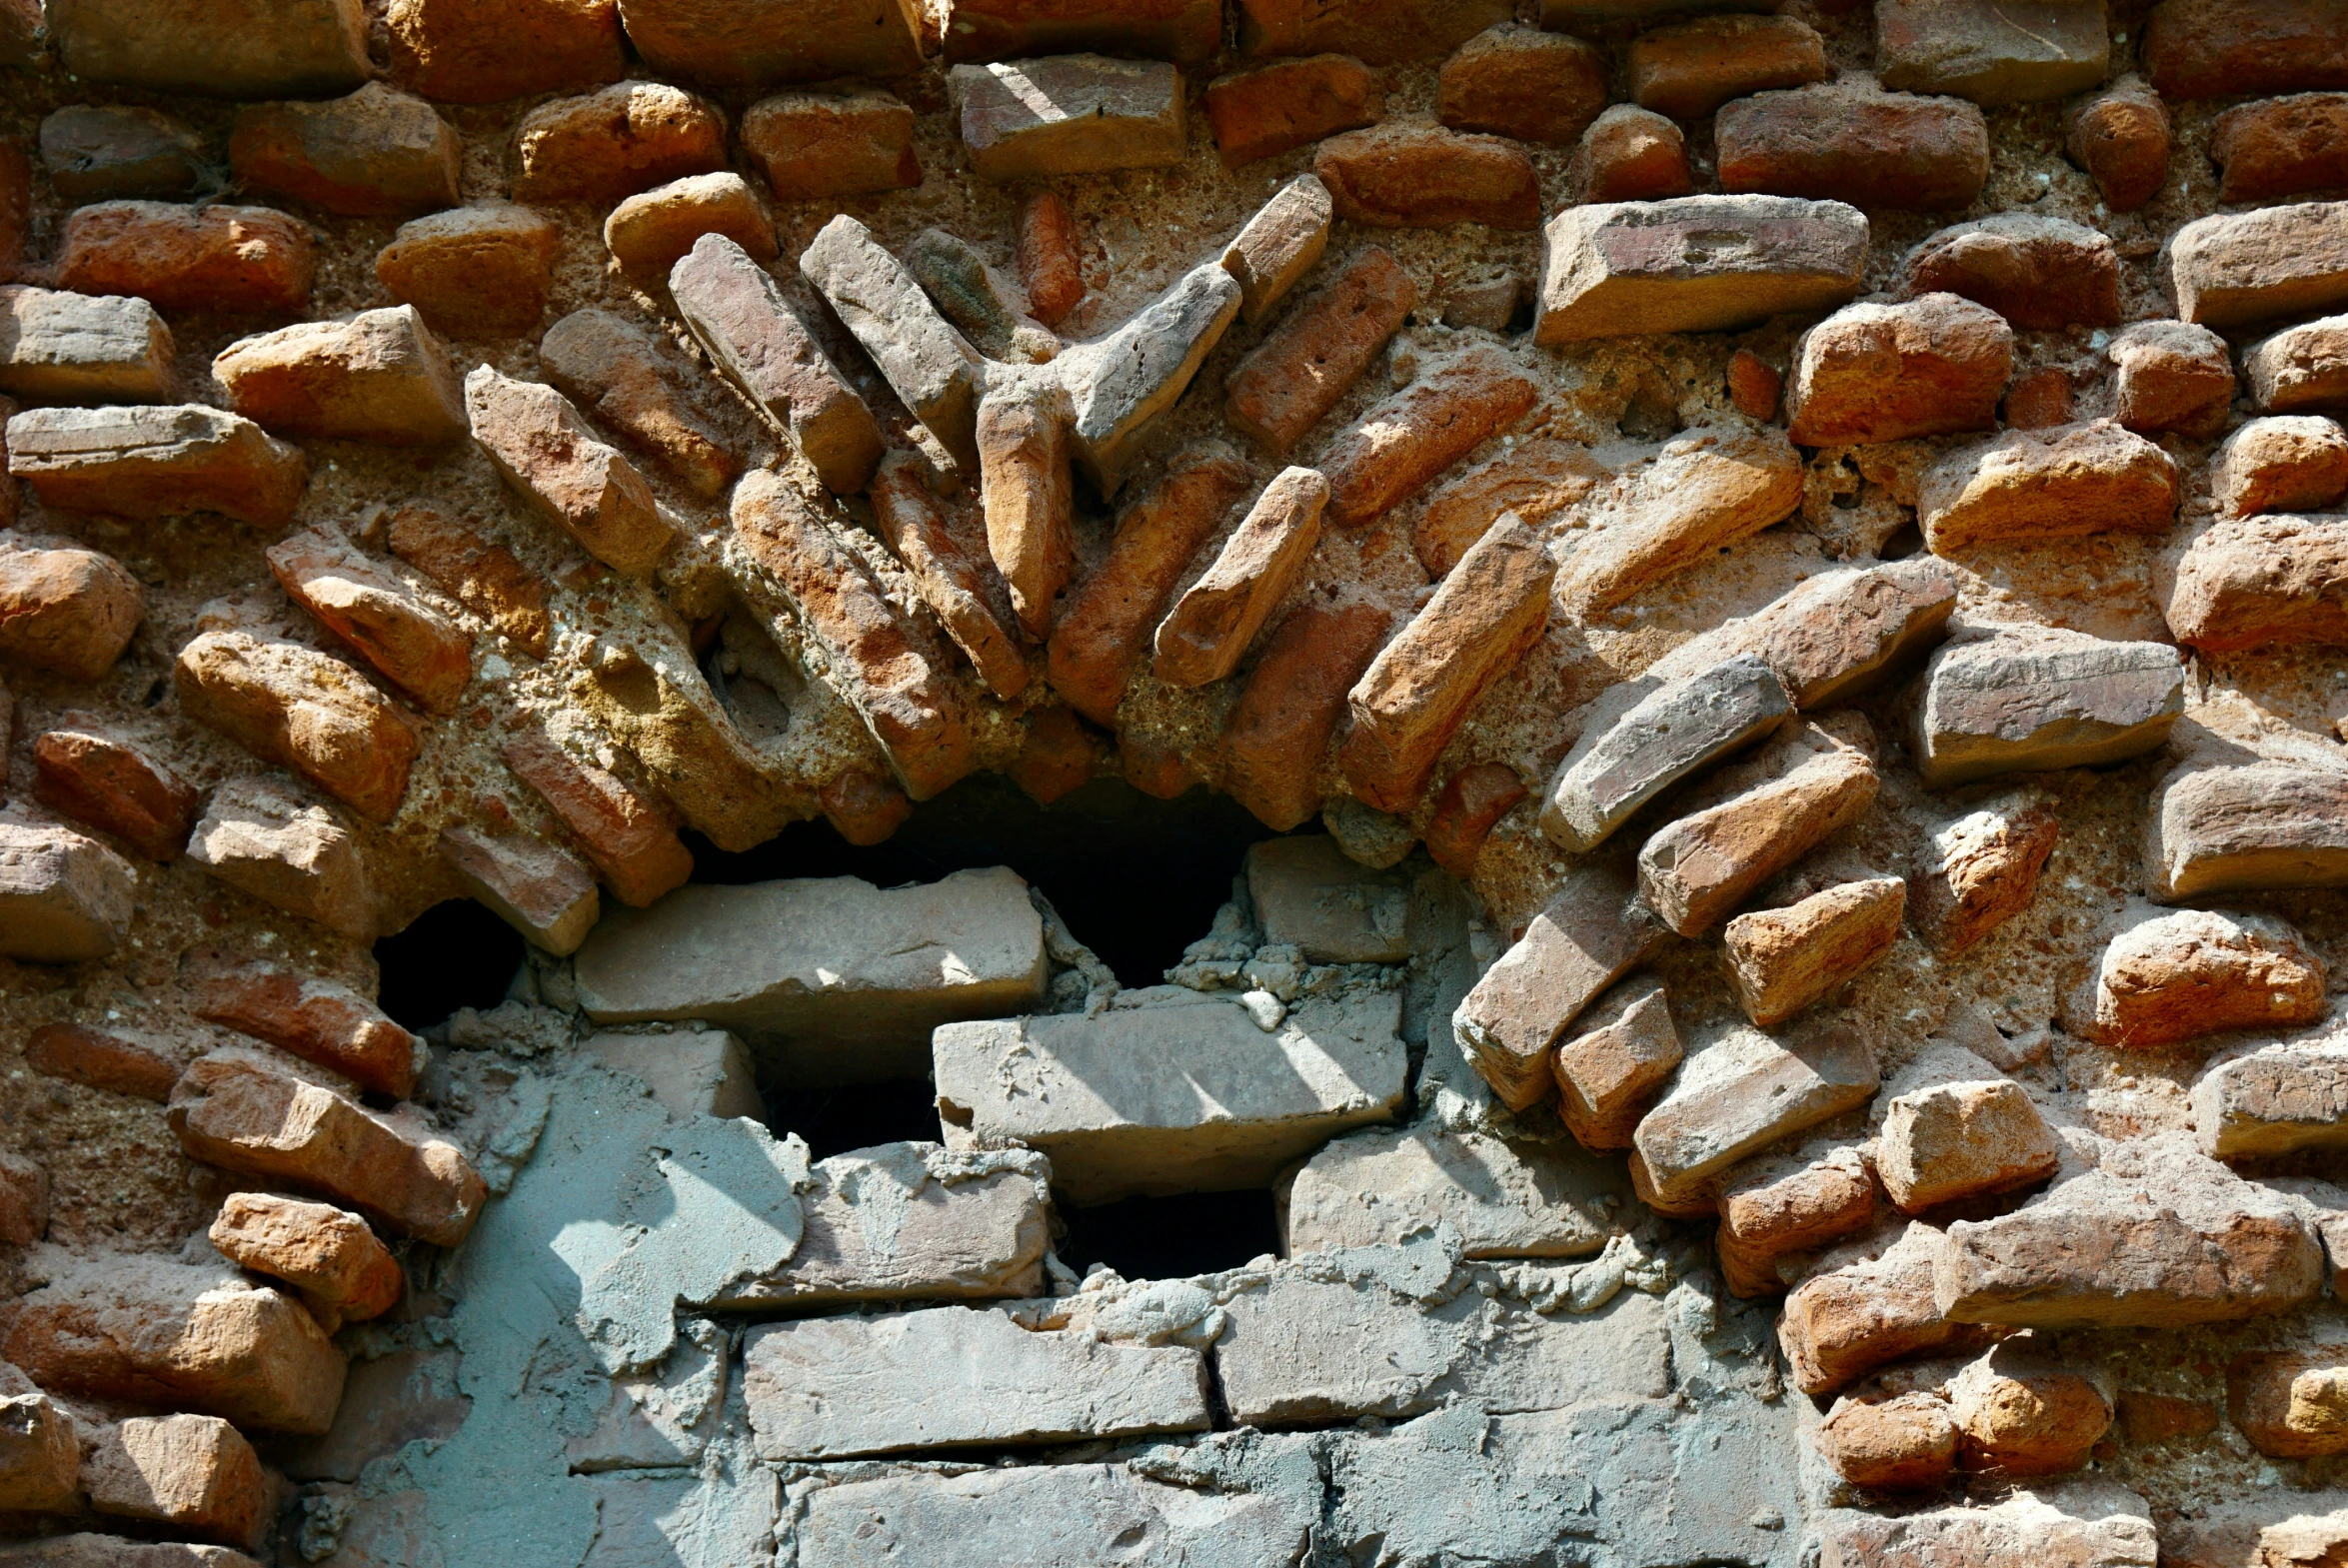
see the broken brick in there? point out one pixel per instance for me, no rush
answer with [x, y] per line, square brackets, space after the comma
[316, 1019]
[1704, 488]
[1630, 154]
[1279, 245]
[2038, 484]
[2041, 274]
[2287, 1402]
[1852, 143]
[1049, 263]
[1470, 802]
[1735, 1096]
[68, 610]
[261, 837]
[1521, 82]
[2235, 269]
[1307, 363]
[109, 785]
[2021, 1412]
[1264, 110]
[2291, 463]
[649, 233]
[1057, 754]
[1026, 489]
[1788, 1205]
[2171, 376]
[1381, 34]
[157, 461]
[543, 892]
[550, 457]
[616, 371]
[1845, 1322]
[631, 840]
[2281, 147]
[1902, 1444]
[1980, 871]
[189, 258]
[1932, 366]
[63, 898]
[1609, 1072]
[864, 807]
[376, 153]
[1395, 449]
[2122, 138]
[1688, 70]
[1960, 1140]
[1045, 118]
[2040, 399]
[1400, 176]
[2037, 699]
[608, 145]
[234, 50]
[1186, 32]
[951, 579]
[476, 272]
[752, 45]
[80, 1054]
[2169, 978]
[1976, 49]
[818, 146]
[1290, 707]
[1211, 625]
[487, 51]
[1535, 479]
[83, 347]
[1781, 960]
[293, 705]
[327, 1255]
[2214, 49]
[381, 375]
[485, 577]
[1643, 738]
[1624, 269]
[2249, 583]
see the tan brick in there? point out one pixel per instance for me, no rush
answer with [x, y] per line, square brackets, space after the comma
[82, 1055]
[377, 153]
[1211, 625]
[1844, 1322]
[1188, 32]
[2209, 49]
[1383, 34]
[1402, 176]
[648, 234]
[1630, 154]
[1974, 49]
[1026, 490]
[63, 898]
[1688, 70]
[328, 1254]
[413, 646]
[1609, 1072]
[1264, 110]
[815, 146]
[952, 578]
[2171, 376]
[631, 840]
[616, 371]
[2036, 485]
[68, 610]
[2122, 138]
[476, 272]
[114, 787]
[381, 377]
[1471, 801]
[2236, 269]
[1623, 270]
[261, 837]
[82, 346]
[1705, 489]
[293, 705]
[1902, 1444]
[1321, 347]
[1979, 870]
[2289, 1402]
[1049, 261]
[2216, 830]
[2292, 463]
[1781, 960]
[1790, 1203]
[611, 144]
[2253, 582]
[485, 577]
[1402, 444]
[1960, 1140]
[1288, 708]
[1519, 80]
[193, 1474]
[487, 51]
[1054, 116]
[543, 892]
[550, 457]
[1932, 366]
[1280, 244]
[157, 461]
[316, 1019]
[1535, 479]
[40, 1455]
[748, 43]
[1852, 143]
[189, 258]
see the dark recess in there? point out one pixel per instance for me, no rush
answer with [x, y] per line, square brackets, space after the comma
[456, 954]
[1171, 1237]
[840, 1117]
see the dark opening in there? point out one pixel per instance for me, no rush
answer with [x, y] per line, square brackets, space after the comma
[847, 1116]
[456, 954]
[1136, 878]
[1171, 1238]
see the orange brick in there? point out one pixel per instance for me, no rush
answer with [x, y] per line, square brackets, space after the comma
[105, 784]
[814, 145]
[1279, 729]
[82, 1055]
[1301, 370]
[189, 258]
[1424, 177]
[1399, 446]
[409, 643]
[1059, 756]
[1520, 81]
[1754, 385]
[473, 271]
[608, 145]
[486, 578]
[1470, 802]
[1269, 109]
[629, 838]
[864, 807]
[2039, 400]
[487, 51]
[294, 706]
[316, 1019]
[1048, 258]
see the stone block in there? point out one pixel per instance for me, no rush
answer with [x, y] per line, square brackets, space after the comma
[76, 347]
[831, 1388]
[113, 151]
[193, 1474]
[815, 146]
[378, 152]
[1789, 1204]
[2218, 830]
[1050, 260]
[245, 49]
[2036, 485]
[2276, 1100]
[1740, 1092]
[316, 1019]
[1312, 358]
[1308, 894]
[1780, 961]
[2168, 979]
[63, 898]
[1979, 870]
[632, 840]
[2033, 699]
[40, 1457]
[415, 646]
[1387, 33]
[615, 370]
[1624, 269]
[2092, 1524]
[1279, 245]
[1280, 726]
[115, 1063]
[1521, 82]
[2289, 1402]
[1960, 1140]
[261, 837]
[1609, 1072]
[1906, 1443]
[933, 371]
[2121, 137]
[1630, 154]
[475, 272]
[1061, 115]
[381, 377]
[234, 1110]
[1404, 175]
[608, 145]
[1932, 366]
[1978, 50]
[952, 576]
[231, 258]
[2171, 376]
[342, 1273]
[1853, 1316]
[295, 707]
[1210, 628]
[1176, 1093]
[1688, 70]
[1851, 142]
[546, 893]
[1506, 1199]
[157, 461]
[734, 44]
[2208, 49]
[2300, 368]
[1640, 743]
[488, 51]
[649, 233]
[691, 1072]
[1422, 686]
[149, 1331]
[552, 460]
[1264, 110]
[71, 612]
[1120, 383]
[1467, 808]
[2238, 269]
[485, 577]
[1402, 444]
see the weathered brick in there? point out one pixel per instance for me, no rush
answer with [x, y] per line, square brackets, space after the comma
[236, 1110]
[552, 460]
[1402, 176]
[189, 258]
[2122, 138]
[1535, 479]
[112, 785]
[82, 348]
[1519, 80]
[68, 610]
[1290, 707]
[1979, 870]
[1905, 1443]
[1324, 345]
[760, 343]
[1844, 1322]
[632, 840]
[1855, 144]
[2035, 484]
[1932, 366]
[2300, 368]
[815, 146]
[1977, 49]
[1382, 32]
[1781, 960]
[1688, 70]
[543, 892]
[2034, 698]
[381, 377]
[1642, 739]
[1630, 154]
[611, 144]
[477, 272]
[2249, 583]
[1788, 1205]
[1403, 443]
[2216, 830]
[2041, 274]
[928, 365]
[317, 1020]
[2287, 1402]
[2168, 979]
[2276, 1100]
[1028, 494]
[40, 1455]
[2171, 376]
[2096, 1522]
[1049, 261]
[1280, 244]
[1211, 625]
[649, 233]
[952, 577]
[1962, 1139]
[2040, 399]
[157, 461]
[16, 210]
[487, 51]
[325, 1253]
[2237, 269]
[2210, 48]
[2281, 147]
[1624, 269]
[261, 837]
[378, 152]
[864, 807]
[1264, 110]
[880, 664]
[24, 1202]
[615, 370]
[2021, 1412]
[1736, 1094]
[1468, 807]
[1047, 118]
[293, 705]
[1608, 1073]
[733, 44]
[80, 1054]
[63, 898]
[1057, 754]
[485, 577]
[979, 299]
[1120, 383]
[241, 49]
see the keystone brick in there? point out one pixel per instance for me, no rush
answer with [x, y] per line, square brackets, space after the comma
[2171, 376]
[2300, 368]
[2287, 1402]
[1468, 807]
[2169, 978]
[1403, 443]
[148, 1331]
[1980, 871]
[1608, 1073]
[611, 368]
[1121, 383]
[244, 49]
[883, 668]
[40, 1455]
[2122, 138]
[543, 892]
[376, 153]
[1933, 366]
[195, 1474]
[611, 144]
[325, 1253]
[2041, 274]
[815, 146]
[739, 45]
[1688, 70]
[1535, 479]
[549, 455]
[2036, 485]
[110, 152]
[1788, 1205]
[2238, 829]
[1381, 34]
[2249, 583]
[1307, 364]
[2238, 269]
[1625, 269]
[1980, 50]
[258, 836]
[1960, 1140]
[1188, 32]
[1211, 625]
[293, 705]
[1739, 1093]
[1593, 931]
[317, 1020]
[1903, 1444]
[114, 787]
[1519, 80]
[1642, 743]
[381, 375]
[1506, 1199]
[1049, 262]
[487, 51]
[189, 258]
[1280, 726]
[82, 1055]
[1851, 143]
[1402, 176]
[484, 578]
[1268, 109]
[476, 272]
[2281, 147]
[1423, 684]
[939, 376]
[1630, 154]
[1280, 244]
[1781, 960]
[82, 348]
[953, 578]
[68, 610]
[1843, 1324]
[2021, 1413]
[157, 461]
[1105, 625]
[1061, 115]
[758, 340]
[2035, 700]
[63, 898]
[237, 1111]
[648, 234]
[2275, 1101]
[631, 840]
[1025, 486]
[2209, 49]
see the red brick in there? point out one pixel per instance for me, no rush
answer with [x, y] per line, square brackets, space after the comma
[486, 578]
[1320, 348]
[83, 1055]
[343, 1272]
[2171, 376]
[753, 43]
[1933, 366]
[545, 893]
[1754, 384]
[618, 372]
[1161, 771]
[68, 610]
[1771, 1208]
[476, 272]
[2149, 1419]
[1519, 80]
[1689, 69]
[108, 784]
[1399, 446]
[606, 145]
[864, 807]
[1265, 110]
[157, 460]
[378, 152]
[409, 642]
[2282, 1401]
[1382, 32]
[1280, 726]
[1630, 154]
[317, 1020]
[1855, 144]
[1781, 960]
[2039, 400]
[1210, 627]
[1188, 32]
[1903, 1444]
[815, 146]
[1049, 263]
[486, 51]
[2041, 274]
[957, 582]
[246, 259]
[2122, 138]
[293, 705]
[2019, 1411]
[631, 840]
[380, 375]
[1464, 811]
[2281, 147]
[1057, 756]
[1418, 176]
[2219, 48]
[649, 233]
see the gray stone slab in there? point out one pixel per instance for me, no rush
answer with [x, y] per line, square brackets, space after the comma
[1505, 1199]
[691, 1072]
[1694, 263]
[1117, 384]
[1311, 894]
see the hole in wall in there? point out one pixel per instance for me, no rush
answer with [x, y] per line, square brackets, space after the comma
[1171, 1237]
[455, 955]
[839, 1117]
